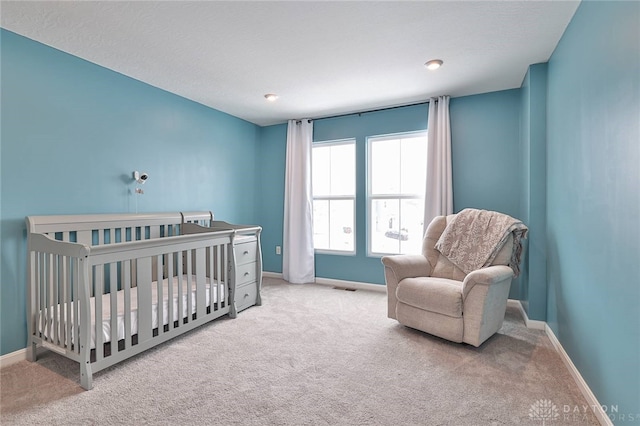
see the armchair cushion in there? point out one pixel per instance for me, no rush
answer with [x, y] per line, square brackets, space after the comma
[439, 295]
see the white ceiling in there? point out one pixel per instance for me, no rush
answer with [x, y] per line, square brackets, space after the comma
[321, 58]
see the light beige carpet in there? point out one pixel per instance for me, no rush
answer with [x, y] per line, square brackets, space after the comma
[311, 355]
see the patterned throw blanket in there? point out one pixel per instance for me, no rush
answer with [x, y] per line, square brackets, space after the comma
[474, 237]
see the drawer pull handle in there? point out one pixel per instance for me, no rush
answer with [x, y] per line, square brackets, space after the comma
[246, 273]
[245, 252]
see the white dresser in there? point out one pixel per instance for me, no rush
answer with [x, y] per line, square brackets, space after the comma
[244, 265]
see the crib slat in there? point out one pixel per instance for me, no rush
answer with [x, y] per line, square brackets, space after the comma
[154, 233]
[180, 287]
[43, 296]
[55, 305]
[189, 285]
[76, 304]
[210, 273]
[61, 300]
[37, 326]
[98, 282]
[170, 262]
[50, 302]
[201, 270]
[215, 276]
[145, 331]
[126, 286]
[224, 271]
[68, 329]
[160, 284]
[113, 289]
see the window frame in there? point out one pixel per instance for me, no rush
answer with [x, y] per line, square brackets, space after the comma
[336, 142]
[370, 198]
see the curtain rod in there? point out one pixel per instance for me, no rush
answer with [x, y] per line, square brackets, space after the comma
[370, 111]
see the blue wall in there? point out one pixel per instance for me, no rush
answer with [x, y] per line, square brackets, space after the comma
[485, 144]
[533, 126]
[72, 134]
[593, 199]
[272, 152]
[485, 131]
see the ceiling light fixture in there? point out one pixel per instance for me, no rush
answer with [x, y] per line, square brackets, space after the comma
[433, 64]
[271, 97]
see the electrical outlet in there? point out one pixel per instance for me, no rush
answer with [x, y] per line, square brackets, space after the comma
[278, 250]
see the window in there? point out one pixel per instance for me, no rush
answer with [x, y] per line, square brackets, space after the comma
[395, 196]
[334, 193]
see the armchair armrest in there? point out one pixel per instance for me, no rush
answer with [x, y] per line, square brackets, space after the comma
[399, 267]
[407, 266]
[484, 298]
[486, 276]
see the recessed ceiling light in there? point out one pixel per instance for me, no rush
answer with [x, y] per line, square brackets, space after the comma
[433, 64]
[271, 97]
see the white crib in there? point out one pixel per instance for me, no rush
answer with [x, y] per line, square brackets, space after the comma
[103, 288]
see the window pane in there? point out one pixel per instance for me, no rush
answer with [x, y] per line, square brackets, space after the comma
[411, 218]
[396, 226]
[321, 224]
[413, 173]
[341, 235]
[343, 160]
[320, 165]
[385, 167]
[385, 226]
[333, 227]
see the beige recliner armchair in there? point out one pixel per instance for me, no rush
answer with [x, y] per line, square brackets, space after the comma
[430, 293]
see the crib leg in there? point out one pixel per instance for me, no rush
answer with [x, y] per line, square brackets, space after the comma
[86, 375]
[32, 352]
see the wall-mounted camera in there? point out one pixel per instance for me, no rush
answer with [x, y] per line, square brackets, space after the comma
[140, 177]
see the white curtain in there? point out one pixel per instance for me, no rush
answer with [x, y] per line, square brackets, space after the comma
[298, 255]
[439, 192]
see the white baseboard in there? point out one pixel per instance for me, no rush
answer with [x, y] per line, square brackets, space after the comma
[596, 407]
[532, 324]
[13, 357]
[355, 285]
[267, 274]
[592, 401]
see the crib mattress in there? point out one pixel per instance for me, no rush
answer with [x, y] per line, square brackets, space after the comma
[106, 308]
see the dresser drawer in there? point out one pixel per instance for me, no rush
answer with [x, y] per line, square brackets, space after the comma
[246, 296]
[246, 273]
[246, 252]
